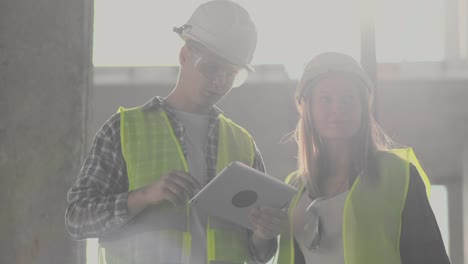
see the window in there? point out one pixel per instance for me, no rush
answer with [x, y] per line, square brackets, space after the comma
[439, 204]
[92, 248]
[290, 32]
[411, 31]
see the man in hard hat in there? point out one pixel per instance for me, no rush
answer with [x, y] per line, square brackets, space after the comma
[146, 162]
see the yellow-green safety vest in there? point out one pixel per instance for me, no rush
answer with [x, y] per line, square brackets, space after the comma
[151, 149]
[371, 215]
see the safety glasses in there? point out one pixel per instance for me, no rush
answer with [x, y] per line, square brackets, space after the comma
[216, 69]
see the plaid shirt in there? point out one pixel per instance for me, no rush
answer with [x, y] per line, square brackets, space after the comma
[97, 202]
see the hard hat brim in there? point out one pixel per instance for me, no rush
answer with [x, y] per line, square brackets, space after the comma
[187, 36]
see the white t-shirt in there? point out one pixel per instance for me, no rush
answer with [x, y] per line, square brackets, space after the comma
[196, 137]
[329, 212]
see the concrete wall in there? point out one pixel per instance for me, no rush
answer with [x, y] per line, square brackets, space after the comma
[432, 117]
[45, 58]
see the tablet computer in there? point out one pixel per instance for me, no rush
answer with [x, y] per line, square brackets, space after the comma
[238, 188]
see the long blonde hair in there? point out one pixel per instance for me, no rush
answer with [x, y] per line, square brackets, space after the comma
[313, 164]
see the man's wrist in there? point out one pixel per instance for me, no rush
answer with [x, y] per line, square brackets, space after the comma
[262, 249]
[260, 242]
[136, 202]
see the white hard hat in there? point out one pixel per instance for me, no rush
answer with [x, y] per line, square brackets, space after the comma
[329, 64]
[225, 28]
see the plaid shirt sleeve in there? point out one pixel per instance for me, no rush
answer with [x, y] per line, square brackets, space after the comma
[97, 202]
[264, 257]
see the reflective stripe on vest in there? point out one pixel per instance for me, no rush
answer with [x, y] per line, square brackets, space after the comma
[371, 214]
[151, 149]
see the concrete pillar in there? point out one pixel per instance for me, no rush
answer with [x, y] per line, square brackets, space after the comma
[452, 41]
[45, 63]
[465, 202]
[463, 7]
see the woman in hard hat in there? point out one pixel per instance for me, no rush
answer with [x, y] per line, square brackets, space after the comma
[359, 200]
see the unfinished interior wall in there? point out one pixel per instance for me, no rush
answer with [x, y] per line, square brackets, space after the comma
[45, 58]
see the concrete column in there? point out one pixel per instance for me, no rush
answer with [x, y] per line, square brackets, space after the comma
[455, 222]
[463, 6]
[45, 63]
[452, 41]
[465, 202]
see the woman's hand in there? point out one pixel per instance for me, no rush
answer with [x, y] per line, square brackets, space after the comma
[268, 222]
